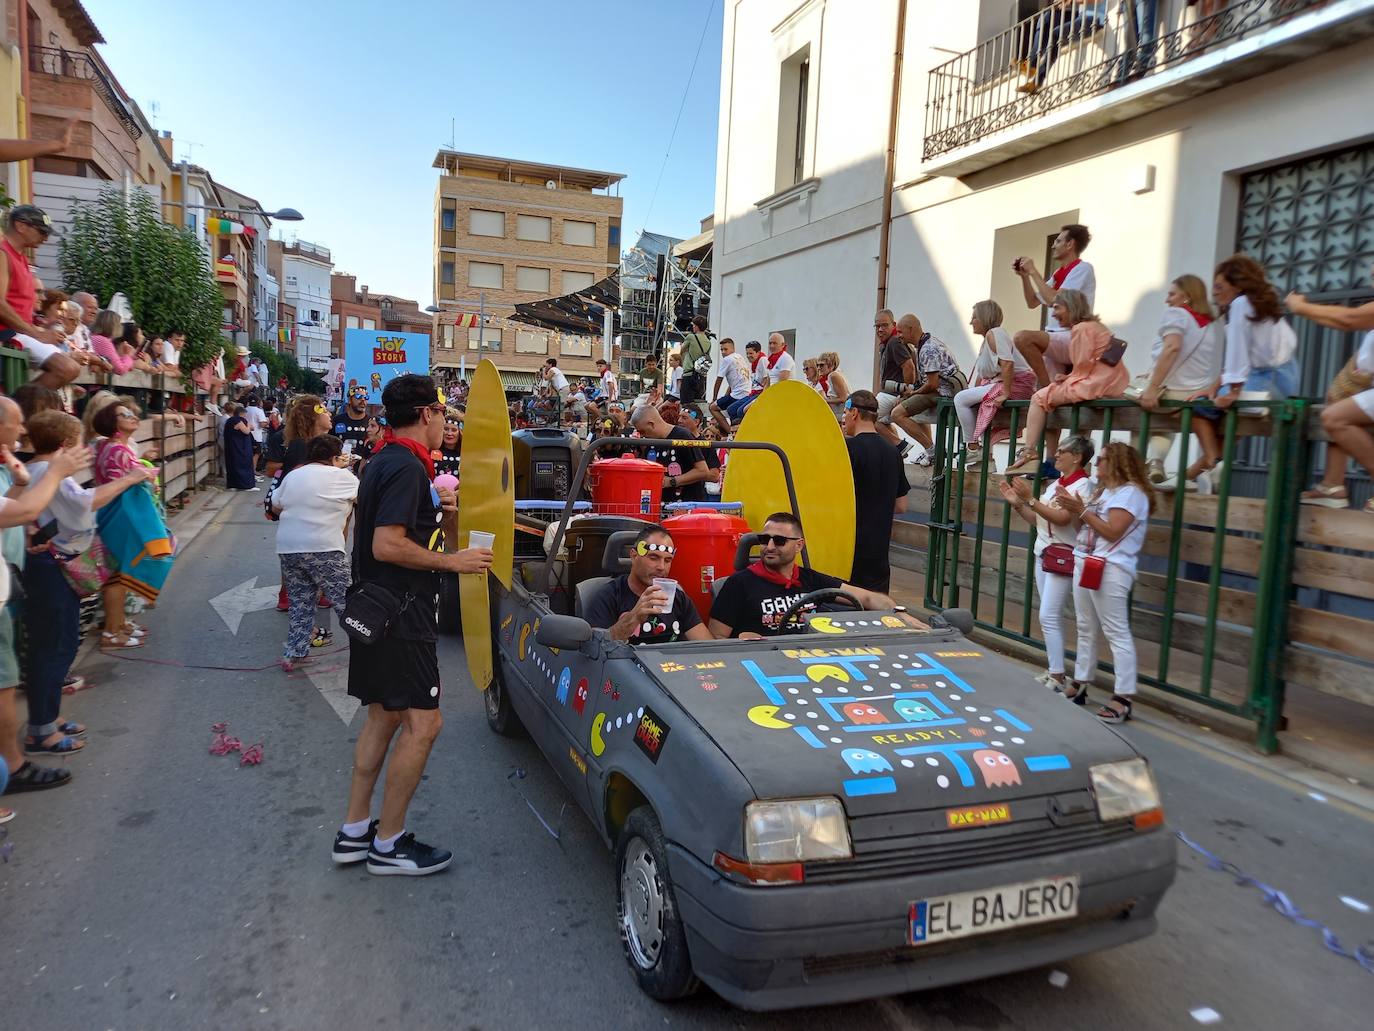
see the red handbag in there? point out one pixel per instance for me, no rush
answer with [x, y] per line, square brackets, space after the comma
[1090, 576]
[1057, 558]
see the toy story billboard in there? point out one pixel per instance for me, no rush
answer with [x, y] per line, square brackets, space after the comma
[374, 357]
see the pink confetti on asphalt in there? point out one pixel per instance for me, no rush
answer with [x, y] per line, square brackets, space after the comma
[218, 728]
[223, 745]
[251, 756]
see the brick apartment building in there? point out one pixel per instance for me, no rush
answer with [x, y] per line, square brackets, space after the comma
[509, 232]
[355, 307]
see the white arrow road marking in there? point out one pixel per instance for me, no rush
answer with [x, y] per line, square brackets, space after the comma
[333, 685]
[238, 601]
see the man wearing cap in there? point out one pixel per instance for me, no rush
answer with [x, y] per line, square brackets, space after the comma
[880, 489]
[26, 228]
[636, 609]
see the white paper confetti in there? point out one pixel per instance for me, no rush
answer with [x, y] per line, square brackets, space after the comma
[1316, 796]
[1058, 978]
[1355, 904]
[1205, 1015]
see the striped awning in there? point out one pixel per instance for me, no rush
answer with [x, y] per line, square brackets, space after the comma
[520, 379]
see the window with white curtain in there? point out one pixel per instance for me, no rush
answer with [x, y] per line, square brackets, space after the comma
[538, 228]
[486, 223]
[532, 280]
[529, 341]
[486, 274]
[579, 234]
[576, 281]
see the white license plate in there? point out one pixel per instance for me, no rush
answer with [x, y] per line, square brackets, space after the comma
[992, 909]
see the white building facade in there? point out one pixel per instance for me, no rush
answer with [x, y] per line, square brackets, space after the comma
[859, 166]
[305, 286]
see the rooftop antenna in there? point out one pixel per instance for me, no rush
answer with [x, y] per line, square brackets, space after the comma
[154, 109]
[452, 134]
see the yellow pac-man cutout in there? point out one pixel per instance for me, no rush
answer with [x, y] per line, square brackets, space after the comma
[524, 636]
[598, 743]
[767, 716]
[893, 621]
[795, 418]
[826, 625]
[824, 670]
[486, 502]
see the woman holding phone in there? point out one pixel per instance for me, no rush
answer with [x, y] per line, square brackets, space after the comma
[1057, 535]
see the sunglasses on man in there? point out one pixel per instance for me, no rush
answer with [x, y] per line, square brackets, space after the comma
[776, 539]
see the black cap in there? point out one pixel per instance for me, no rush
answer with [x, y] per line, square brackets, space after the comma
[32, 216]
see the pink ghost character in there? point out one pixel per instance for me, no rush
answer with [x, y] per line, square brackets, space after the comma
[996, 767]
[862, 712]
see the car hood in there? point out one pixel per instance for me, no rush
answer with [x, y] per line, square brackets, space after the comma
[893, 720]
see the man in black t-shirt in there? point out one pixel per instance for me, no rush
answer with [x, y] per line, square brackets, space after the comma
[400, 528]
[350, 423]
[752, 602]
[631, 606]
[686, 469]
[880, 490]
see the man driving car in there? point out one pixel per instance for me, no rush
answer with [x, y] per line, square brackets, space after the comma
[636, 609]
[752, 602]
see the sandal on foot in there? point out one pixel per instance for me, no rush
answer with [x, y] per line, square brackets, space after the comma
[73, 730]
[1325, 497]
[1110, 713]
[289, 664]
[133, 629]
[321, 637]
[1027, 463]
[116, 642]
[30, 777]
[1076, 692]
[74, 684]
[6, 815]
[63, 746]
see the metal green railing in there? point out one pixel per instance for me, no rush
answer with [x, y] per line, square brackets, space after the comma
[1261, 696]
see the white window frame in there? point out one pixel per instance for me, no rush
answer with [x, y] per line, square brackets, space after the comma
[576, 225]
[535, 228]
[483, 272]
[473, 220]
[522, 278]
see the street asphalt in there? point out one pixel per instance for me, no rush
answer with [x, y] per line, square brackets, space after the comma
[170, 888]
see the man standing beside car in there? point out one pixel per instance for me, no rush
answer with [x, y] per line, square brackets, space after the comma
[631, 607]
[752, 602]
[400, 528]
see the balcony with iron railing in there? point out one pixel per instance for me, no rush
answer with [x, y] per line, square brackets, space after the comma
[1079, 65]
[69, 64]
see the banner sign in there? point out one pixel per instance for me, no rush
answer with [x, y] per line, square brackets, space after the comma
[374, 357]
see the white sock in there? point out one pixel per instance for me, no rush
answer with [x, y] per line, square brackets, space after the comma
[386, 844]
[356, 830]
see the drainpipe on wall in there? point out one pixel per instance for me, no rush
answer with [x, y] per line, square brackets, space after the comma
[890, 166]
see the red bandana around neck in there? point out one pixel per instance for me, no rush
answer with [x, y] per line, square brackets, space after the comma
[754, 365]
[1072, 478]
[764, 573]
[1062, 273]
[1203, 321]
[413, 446]
[773, 359]
[824, 382]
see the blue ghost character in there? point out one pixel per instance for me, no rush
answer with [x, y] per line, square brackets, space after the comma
[909, 710]
[861, 760]
[564, 682]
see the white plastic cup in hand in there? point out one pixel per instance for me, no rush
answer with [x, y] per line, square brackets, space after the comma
[668, 587]
[480, 539]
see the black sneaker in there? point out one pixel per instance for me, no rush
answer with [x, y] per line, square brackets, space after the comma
[348, 849]
[410, 857]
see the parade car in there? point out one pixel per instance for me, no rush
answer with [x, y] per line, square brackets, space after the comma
[867, 806]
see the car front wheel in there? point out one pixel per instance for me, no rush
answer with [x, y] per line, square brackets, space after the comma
[646, 909]
[501, 717]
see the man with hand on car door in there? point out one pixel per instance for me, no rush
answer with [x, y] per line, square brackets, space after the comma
[636, 609]
[753, 601]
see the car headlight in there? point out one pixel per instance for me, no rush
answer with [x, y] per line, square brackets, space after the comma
[796, 830]
[1126, 789]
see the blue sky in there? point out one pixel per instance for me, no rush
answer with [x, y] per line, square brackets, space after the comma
[339, 114]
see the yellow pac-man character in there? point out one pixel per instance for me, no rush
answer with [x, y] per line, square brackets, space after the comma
[524, 636]
[598, 743]
[763, 716]
[826, 625]
[825, 671]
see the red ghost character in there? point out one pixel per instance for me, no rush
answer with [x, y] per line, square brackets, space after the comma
[996, 767]
[862, 712]
[580, 696]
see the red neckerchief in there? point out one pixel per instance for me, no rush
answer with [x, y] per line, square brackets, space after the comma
[824, 381]
[1202, 320]
[764, 573]
[773, 358]
[1072, 478]
[1062, 273]
[413, 446]
[754, 365]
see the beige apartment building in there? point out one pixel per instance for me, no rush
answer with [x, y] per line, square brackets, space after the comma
[507, 232]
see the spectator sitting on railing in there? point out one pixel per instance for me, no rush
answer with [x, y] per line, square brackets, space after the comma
[171, 349]
[78, 337]
[1348, 417]
[836, 391]
[26, 228]
[1047, 350]
[1094, 375]
[937, 376]
[1186, 358]
[1038, 44]
[1000, 373]
[132, 344]
[107, 329]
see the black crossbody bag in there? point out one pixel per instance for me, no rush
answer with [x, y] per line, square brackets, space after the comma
[371, 611]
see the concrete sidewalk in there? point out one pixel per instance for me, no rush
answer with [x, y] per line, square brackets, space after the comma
[1326, 745]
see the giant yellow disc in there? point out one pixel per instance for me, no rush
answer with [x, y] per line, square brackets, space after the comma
[486, 502]
[793, 416]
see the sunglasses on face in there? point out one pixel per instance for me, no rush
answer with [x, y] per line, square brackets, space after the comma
[438, 408]
[649, 547]
[776, 539]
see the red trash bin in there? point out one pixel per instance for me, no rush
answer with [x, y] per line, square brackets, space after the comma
[626, 487]
[706, 542]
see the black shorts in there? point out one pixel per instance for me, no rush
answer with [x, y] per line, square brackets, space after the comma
[395, 673]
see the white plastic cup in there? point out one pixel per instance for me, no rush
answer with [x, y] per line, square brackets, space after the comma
[480, 539]
[669, 587]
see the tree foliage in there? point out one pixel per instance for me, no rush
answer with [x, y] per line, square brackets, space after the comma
[279, 365]
[119, 245]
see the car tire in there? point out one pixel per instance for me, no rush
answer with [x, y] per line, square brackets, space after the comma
[501, 717]
[651, 930]
[450, 607]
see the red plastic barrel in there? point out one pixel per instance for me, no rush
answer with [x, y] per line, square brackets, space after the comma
[626, 487]
[706, 542]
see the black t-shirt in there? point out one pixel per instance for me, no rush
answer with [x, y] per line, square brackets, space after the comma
[678, 460]
[749, 603]
[446, 461]
[395, 491]
[896, 353]
[276, 444]
[294, 455]
[879, 480]
[616, 599]
[347, 428]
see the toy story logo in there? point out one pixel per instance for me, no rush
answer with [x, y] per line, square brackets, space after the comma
[376, 357]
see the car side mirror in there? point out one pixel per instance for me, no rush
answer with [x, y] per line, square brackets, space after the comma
[959, 619]
[563, 632]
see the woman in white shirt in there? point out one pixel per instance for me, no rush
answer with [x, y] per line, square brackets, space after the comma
[1000, 373]
[1112, 525]
[1054, 526]
[314, 500]
[1348, 417]
[1185, 361]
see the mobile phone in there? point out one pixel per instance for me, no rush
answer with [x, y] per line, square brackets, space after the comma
[44, 534]
[348, 447]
